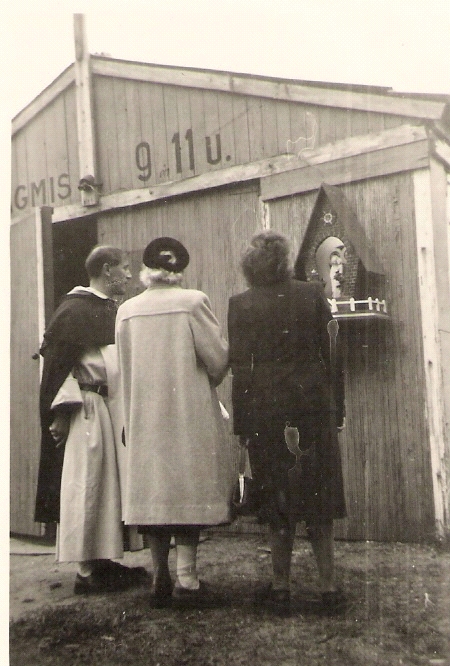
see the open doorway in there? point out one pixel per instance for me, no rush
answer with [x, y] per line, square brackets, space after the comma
[72, 242]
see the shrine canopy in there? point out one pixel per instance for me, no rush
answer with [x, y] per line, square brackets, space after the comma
[337, 252]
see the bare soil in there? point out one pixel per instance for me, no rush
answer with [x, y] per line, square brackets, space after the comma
[398, 613]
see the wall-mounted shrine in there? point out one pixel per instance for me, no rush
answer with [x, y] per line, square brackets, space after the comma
[337, 252]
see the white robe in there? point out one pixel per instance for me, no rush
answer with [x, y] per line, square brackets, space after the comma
[90, 520]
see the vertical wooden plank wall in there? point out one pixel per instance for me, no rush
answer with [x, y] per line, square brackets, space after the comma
[215, 226]
[226, 127]
[125, 161]
[45, 158]
[24, 412]
[433, 261]
[106, 133]
[19, 174]
[189, 131]
[385, 444]
[398, 457]
[71, 145]
[212, 148]
[150, 133]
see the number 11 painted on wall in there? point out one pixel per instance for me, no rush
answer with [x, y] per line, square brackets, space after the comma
[189, 136]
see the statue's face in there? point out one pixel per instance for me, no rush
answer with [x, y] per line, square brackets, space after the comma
[331, 256]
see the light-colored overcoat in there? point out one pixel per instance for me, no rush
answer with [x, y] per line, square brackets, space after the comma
[171, 357]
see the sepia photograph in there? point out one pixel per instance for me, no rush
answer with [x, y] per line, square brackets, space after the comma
[227, 333]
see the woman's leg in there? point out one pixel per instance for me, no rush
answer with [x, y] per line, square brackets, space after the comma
[186, 541]
[159, 542]
[270, 461]
[281, 542]
[322, 542]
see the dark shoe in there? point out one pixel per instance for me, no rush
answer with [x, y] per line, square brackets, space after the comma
[334, 603]
[191, 597]
[278, 601]
[161, 592]
[119, 575]
[92, 584]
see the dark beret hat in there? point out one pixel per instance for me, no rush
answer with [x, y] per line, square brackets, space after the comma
[167, 253]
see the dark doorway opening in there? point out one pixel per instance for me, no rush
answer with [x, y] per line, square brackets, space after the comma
[72, 242]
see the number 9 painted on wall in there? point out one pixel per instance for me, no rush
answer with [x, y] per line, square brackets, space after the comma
[143, 160]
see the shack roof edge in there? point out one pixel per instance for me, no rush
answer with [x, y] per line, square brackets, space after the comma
[341, 95]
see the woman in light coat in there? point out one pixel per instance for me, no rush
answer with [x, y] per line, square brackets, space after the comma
[172, 356]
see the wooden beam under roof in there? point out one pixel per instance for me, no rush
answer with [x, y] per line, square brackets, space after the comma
[282, 89]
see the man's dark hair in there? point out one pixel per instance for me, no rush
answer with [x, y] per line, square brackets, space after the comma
[266, 260]
[100, 255]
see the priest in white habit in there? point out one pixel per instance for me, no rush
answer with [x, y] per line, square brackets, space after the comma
[82, 455]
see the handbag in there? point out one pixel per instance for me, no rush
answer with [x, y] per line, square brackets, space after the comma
[243, 500]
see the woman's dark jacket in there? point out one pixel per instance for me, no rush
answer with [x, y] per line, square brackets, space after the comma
[280, 360]
[80, 322]
[280, 355]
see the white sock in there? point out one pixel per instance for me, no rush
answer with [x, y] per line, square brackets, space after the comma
[187, 566]
[85, 568]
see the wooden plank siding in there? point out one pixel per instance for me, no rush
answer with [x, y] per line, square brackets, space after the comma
[226, 128]
[154, 112]
[37, 160]
[19, 174]
[56, 145]
[432, 252]
[45, 158]
[24, 411]
[385, 444]
[346, 170]
[149, 133]
[105, 122]
[71, 146]
[177, 122]
[397, 446]
[354, 97]
[198, 127]
[126, 132]
[212, 146]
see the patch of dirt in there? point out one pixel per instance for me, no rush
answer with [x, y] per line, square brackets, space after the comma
[399, 612]
[37, 581]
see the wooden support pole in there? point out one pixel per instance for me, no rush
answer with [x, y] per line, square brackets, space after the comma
[435, 364]
[85, 122]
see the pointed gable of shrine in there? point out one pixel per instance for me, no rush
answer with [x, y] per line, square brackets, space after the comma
[337, 252]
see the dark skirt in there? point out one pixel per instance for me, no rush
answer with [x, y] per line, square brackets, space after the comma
[287, 488]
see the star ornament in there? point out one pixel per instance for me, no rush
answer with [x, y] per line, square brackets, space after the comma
[328, 218]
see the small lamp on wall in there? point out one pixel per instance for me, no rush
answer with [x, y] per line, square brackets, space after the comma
[90, 190]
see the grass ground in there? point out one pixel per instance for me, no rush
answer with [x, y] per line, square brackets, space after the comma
[399, 613]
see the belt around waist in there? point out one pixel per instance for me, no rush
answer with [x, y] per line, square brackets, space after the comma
[101, 389]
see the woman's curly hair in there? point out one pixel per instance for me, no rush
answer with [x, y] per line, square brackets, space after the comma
[266, 260]
[151, 276]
